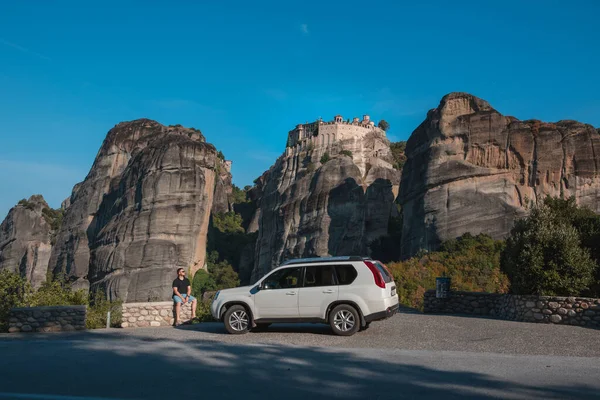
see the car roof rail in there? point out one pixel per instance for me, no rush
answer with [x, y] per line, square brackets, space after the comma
[311, 260]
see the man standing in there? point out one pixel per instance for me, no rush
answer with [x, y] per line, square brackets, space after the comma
[182, 294]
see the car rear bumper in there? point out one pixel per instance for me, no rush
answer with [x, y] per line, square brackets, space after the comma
[388, 312]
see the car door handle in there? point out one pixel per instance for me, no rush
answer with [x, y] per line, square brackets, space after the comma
[328, 291]
[291, 293]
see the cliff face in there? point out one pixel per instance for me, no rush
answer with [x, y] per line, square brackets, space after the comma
[310, 206]
[25, 240]
[471, 169]
[141, 213]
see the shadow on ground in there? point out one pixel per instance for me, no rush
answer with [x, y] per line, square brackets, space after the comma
[113, 365]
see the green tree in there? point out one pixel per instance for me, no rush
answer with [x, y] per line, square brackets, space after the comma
[14, 291]
[383, 124]
[325, 158]
[544, 254]
[346, 153]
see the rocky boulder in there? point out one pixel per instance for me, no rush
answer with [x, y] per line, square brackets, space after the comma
[25, 239]
[471, 169]
[141, 213]
[310, 206]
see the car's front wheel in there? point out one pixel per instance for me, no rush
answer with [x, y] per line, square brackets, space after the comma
[344, 320]
[237, 320]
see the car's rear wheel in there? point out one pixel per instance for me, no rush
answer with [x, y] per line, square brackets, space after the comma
[237, 320]
[344, 320]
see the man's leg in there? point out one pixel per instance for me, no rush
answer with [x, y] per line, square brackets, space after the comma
[193, 306]
[178, 301]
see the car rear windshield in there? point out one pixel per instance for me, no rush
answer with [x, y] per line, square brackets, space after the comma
[387, 278]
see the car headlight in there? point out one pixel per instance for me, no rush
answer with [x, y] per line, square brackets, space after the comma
[216, 295]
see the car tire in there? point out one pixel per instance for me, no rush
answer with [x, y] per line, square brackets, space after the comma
[237, 320]
[344, 320]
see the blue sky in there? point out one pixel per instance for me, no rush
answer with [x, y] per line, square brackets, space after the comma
[247, 72]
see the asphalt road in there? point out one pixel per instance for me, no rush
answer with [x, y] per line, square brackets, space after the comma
[408, 356]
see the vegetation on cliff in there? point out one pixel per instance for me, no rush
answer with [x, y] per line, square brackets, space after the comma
[398, 154]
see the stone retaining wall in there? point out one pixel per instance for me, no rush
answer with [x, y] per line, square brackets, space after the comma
[580, 311]
[138, 315]
[47, 319]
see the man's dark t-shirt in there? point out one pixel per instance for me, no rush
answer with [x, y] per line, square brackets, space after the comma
[181, 285]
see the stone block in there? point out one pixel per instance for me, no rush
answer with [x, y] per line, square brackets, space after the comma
[31, 319]
[124, 324]
[68, 328]
[562, 311]
[26, 328]
[553, 305]
[144, 312]
[154, 323]
[589, 313]
[530, 304]
[37, 314]
[132, 319]
[585, 306]
[555, 318]
[540, 304]
[140, 318]
[154, 312]
[143, 324]
[164, 313]
[547, 312]
[13, 329]
[538, 316]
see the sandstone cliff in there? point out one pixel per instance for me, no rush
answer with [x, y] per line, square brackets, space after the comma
[142, 212]
[471, 169]
[309, 205]
[25, 239]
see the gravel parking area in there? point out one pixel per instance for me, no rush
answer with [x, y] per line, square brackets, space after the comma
[407, 330]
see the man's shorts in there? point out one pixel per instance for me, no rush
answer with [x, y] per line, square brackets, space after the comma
[178, 299]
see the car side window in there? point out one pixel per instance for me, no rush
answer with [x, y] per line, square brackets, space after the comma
[346, 274]
[286, 278]
[319, 276]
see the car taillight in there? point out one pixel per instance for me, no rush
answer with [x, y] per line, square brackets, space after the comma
[376, 274]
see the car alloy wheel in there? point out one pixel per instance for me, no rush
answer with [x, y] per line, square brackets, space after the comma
[237, 320]
[344, 320]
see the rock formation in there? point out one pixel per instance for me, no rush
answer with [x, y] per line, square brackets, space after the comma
[25, 240]
[141, 212]
[471, 169]
[330, 193]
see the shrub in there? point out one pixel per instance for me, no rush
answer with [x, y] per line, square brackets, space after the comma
[56, 292]
[228, 222]
[325, 158]
[544, 254]
[398, 154]
[472, 262]
[14, 291]
[98, 310]
[346, 153]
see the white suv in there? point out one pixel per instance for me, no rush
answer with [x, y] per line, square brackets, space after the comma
[348, 293]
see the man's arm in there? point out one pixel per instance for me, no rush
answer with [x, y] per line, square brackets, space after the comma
[176, 292]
